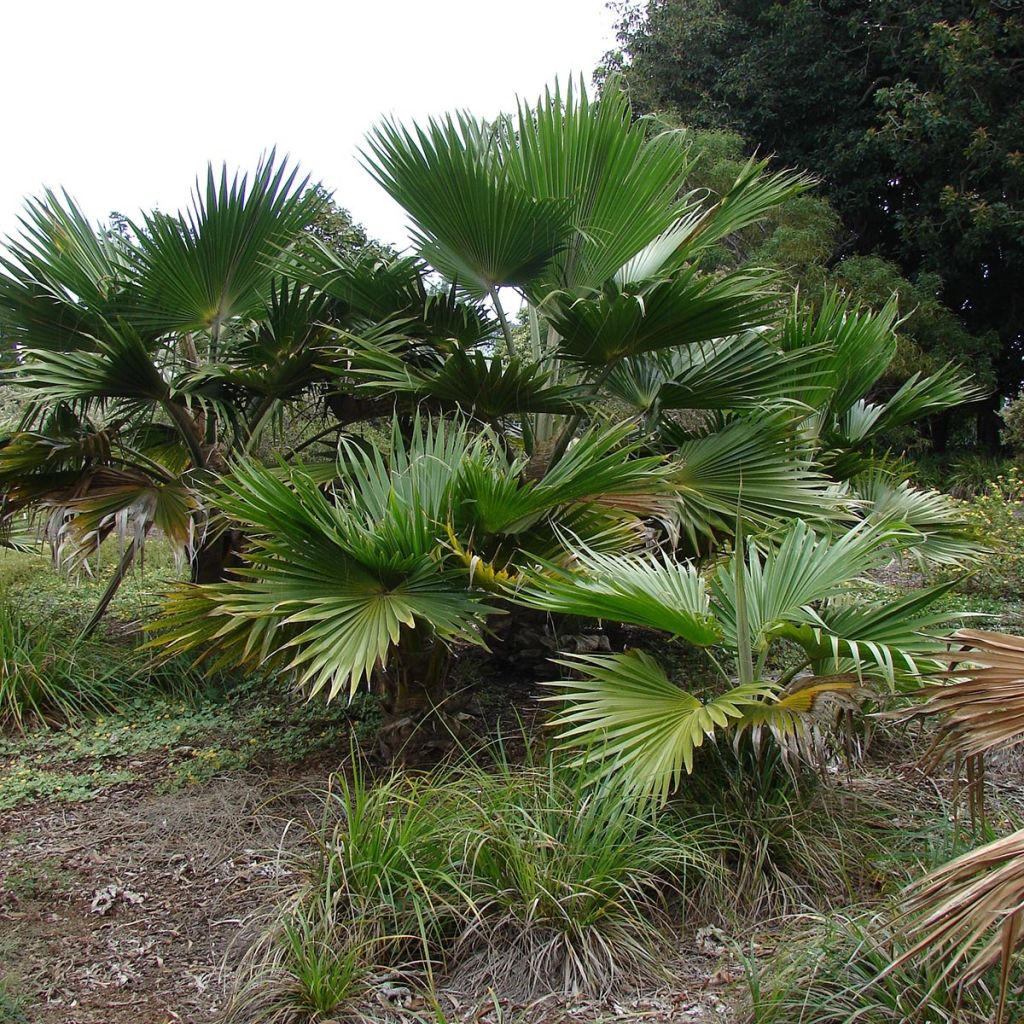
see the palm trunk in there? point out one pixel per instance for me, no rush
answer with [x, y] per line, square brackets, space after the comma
[214, 558]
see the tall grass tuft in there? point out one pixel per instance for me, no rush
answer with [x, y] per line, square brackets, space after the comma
[569, 886]
[782, 847]
[513, 877]
[42, 680]
[840, 972]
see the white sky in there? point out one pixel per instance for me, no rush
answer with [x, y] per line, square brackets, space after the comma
[123, 102]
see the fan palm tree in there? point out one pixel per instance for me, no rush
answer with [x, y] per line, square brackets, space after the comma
[793, 585]
[149, 359]
[583, 212]
[370, 569]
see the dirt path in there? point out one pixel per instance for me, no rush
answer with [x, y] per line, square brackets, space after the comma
[124, 908]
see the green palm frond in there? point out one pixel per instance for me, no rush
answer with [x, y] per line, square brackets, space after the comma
[700, 224]
[485, 387]
[752, 196]
[603, 465]
[117, 365]
[471, 220]
[945, 537]
[643, 590]
[784, 574]
[918, 396]
[855, 346]
[620, 184]
[753, 464]
[743, 372]
[889, 638]
[338, 585]
[688, 309]
[644, 728]
[213, 263]
[368, 290]
[61, 277]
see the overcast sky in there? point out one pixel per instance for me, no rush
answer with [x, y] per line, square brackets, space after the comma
[123, 102]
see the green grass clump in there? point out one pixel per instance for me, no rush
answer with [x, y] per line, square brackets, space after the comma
[569, 887]
[12, 1004]
[783, 845]
[43, 681]
[516, 877]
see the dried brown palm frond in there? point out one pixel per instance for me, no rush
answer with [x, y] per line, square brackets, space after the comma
[980, 702]
[804, 717]
[969, 914]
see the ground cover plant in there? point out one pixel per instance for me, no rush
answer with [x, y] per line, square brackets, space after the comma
[669, 476]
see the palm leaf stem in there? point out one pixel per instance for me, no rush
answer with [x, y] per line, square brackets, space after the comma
[258, 419]
[744, 651]
[112, 587]
[506, 330]
[573, 425]
[188, 429]
[310, 441]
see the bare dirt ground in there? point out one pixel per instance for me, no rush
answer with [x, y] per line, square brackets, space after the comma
[133, 907]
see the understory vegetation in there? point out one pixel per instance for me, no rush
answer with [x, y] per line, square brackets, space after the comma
[615, 632]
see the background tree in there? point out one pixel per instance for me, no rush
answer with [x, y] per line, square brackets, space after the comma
[911, 112]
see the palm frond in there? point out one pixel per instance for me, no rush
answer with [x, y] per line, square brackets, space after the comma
[471, 220]
[743, 372]
[644, 728]
[981, 707]
[918, 396]
[881, 638]
[619, 184]
[345, 581]
[117, 365]
[787, 572]
[61, 277]
[688, 309]
[213, 263]
[967, 916]
[946, 538]
[753, 464]
[484, 387]
[643, 590]
[860, 344]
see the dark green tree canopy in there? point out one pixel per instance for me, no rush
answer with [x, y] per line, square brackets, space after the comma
[912, 112]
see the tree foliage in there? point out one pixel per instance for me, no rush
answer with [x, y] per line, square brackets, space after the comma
[912, 113]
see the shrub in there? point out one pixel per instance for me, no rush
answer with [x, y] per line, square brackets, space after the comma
[1012, 434]
[975, 474]
[996, 517]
